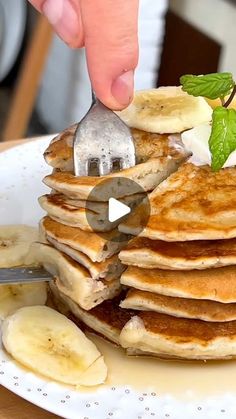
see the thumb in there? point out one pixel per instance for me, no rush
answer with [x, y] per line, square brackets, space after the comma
[65, 17]
[111, 41]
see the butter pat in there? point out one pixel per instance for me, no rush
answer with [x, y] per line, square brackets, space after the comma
[196, 141]
[231, 161]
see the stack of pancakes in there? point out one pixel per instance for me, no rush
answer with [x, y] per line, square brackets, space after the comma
[177, 297]
[181, 270]
[85, 264]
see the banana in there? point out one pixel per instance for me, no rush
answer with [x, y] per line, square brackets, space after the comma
[94, 375]
[15, 241]
[13, 297]
[48, 343]
[166, 110]
[217, 102]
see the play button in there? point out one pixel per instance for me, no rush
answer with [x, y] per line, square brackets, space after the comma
[117, 210]
[111, 202]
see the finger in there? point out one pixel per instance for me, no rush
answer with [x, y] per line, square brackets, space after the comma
[65, 17]
[111, 41]
[37, 4]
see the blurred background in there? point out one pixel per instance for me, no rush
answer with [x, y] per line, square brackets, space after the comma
[44, 85]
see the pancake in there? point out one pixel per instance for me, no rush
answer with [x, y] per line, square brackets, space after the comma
[59, 154]
[69, 215]
[73, 279]
[109, 269]
[212, 284]
[147, 175]
[96, 247]
[199, 254]
[154, 333]
[107, 319]
[194, 203]
[172, 337]
[96, 207]
[206, 310]
[99, 207]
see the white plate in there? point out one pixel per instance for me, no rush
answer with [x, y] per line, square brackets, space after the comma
[12, 27]
[21, 171]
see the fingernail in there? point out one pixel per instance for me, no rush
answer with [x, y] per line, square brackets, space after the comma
[122, 88]
[62, 15]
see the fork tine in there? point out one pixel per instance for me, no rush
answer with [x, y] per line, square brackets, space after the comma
[125, 163]
[81, 167]
[104, 167]
[102, 135]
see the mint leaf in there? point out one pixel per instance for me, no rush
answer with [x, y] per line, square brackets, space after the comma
[222, 141]
[212, 86]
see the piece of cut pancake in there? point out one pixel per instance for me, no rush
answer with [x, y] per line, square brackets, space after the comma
[59, 154]
[172, 337]
[198, 254]
[99, 207]
[59, 210]
[194, 203]
[109, 269]
[73, 279]
[96, 247]
[146, 175]
[206, 310]
[211, 284]
[106, 319]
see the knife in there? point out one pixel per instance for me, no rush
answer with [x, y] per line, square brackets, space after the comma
[24, 274]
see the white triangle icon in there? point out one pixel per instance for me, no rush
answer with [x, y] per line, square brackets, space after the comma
[116, 210]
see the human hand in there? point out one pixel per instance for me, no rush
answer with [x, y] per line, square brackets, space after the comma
[108, 30]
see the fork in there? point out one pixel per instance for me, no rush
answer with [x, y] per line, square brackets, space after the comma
[102, 138]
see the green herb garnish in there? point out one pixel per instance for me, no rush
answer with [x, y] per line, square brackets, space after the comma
[223, 135]
[212, 86]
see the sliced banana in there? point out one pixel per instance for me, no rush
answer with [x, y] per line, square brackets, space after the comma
[13, 297]
[217, 102]
[15, 241]
[94, 375]
[48, 343]
[166, 110]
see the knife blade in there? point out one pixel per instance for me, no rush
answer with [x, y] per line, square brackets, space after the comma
[23, 275]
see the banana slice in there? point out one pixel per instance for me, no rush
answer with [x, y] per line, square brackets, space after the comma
[48, 343]
[15, 241]
[94, 375]
[166, 110]
[13, 297]
[217, 102]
